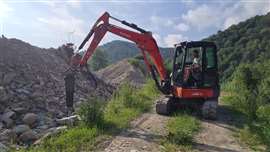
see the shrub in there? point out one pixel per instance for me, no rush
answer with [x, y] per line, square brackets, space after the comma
[263, 114]
[91, 112]
[182, 128]
[249, 137]
[248, 92]
[137, 62]
[244, 90]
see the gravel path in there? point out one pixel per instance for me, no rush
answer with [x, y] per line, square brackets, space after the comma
[142, 137]
[217, 136]
[150, 128]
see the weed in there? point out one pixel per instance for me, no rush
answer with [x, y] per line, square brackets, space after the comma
[91, 112]
[182, 129]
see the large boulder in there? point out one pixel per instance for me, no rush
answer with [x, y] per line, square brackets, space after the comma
[30, 119]
[29, 136]
[21, 129]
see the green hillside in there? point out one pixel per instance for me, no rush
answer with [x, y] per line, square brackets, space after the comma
[246, 42]
[118, 50]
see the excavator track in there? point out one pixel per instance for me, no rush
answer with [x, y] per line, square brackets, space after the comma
[164, 106]
[209, 109]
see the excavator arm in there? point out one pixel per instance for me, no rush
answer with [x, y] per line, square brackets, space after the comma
[143, 40]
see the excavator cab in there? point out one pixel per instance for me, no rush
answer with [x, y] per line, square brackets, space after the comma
[195, 65]
[194, 78]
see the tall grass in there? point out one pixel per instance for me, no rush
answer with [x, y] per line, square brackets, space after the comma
[129, 102]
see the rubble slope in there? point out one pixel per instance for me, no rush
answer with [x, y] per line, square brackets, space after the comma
[122, 72]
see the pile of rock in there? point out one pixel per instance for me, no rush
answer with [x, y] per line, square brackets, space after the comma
[17, 127]
[122, 72]
[32, 90]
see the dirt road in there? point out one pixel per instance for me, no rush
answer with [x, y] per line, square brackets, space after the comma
[147, 131]
[217, 136]
[144, 136]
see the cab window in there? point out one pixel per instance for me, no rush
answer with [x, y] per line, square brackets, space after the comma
[210, 58]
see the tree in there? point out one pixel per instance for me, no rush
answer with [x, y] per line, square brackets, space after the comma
[99, 60]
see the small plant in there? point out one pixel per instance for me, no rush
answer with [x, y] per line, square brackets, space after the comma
[249, 137]
[91, 112]
[263, 115]
[182, 129]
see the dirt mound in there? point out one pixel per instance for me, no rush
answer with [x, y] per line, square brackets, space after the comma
[122, 72]
[32, 80]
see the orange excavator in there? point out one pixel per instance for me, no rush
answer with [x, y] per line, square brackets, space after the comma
[194, 78]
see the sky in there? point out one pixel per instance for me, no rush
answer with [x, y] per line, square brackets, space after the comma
[51, 23]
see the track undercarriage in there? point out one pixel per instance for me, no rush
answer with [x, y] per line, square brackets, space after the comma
[169, 104]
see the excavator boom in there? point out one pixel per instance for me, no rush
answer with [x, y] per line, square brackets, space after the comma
[143, 39]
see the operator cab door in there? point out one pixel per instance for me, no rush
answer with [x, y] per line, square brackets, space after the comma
[211, 77]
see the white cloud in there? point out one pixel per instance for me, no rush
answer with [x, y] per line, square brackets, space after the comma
[62, 22]
[244, 10]
[55, 3]
[222, 15]
[182, 27]
[161, 21]
[5, 9]
[172, 39]
[74, 3]
[230, 21]
[201, 17]
[5, 12]
[51, 3]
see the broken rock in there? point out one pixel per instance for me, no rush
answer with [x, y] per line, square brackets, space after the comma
[20, 110]
[8, 135]
[7, 122]
[30, 119]
[69, 121]
[21, 129]
[28, 136]
[3, 148]
[9, 114]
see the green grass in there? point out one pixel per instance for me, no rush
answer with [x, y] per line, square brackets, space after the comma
[129, 102]
[101, 120]
[250, 138]
[181, 130]
[79, 138]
